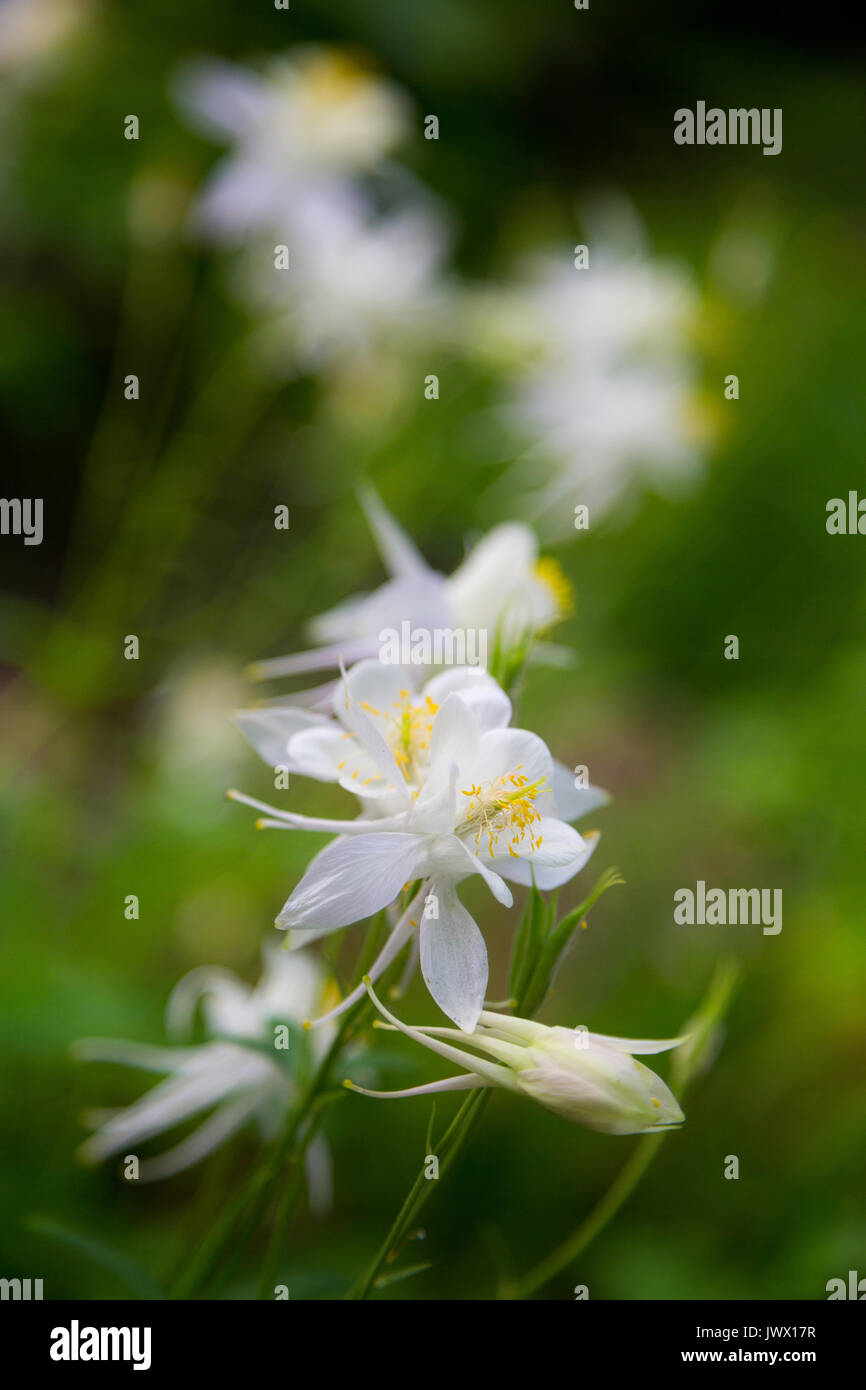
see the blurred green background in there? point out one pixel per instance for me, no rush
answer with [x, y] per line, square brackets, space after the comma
[745, 773]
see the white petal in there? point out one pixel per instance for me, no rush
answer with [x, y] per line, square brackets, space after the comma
[239, 196]
[367, 726]
[435, 808]
[373, 683]
[319, 659]
[484, 696]
[228, 1003]
[482, 585]
[504, 752]
[269, 731]
[216, 1072]
[320, 1175]
[215, 1131]
[221, 99]
[290, 986]
[351, 879]
[455, 737]
[131, 1054]
[548, 875]
[473, 864]
[636, 1047]
[290, 820]
[400, 555]
[466, 1081]
[331, 754]
[492, 1071]
[419, 600]
[573, 802]
[454, 958]
[400, 934]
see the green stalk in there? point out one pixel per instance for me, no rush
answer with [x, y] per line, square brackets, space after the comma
[532, 966]
[452, 1142]
[701, 1029]
[240, 1219]
[616, 1195]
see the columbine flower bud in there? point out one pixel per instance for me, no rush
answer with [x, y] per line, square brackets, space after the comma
[586, 1077]
[593, 1079]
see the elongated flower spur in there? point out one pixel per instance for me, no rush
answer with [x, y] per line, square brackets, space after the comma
[589, 1078]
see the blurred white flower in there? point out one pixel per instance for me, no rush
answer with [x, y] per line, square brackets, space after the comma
[34, 32]
[360, 281]
[310, 170]
[589, 1078]
[311, 116]
[235, 1081]
[503, 590]
[601, 381]
[448, 791]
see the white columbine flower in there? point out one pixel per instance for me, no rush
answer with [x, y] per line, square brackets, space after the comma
[398, 714]
[601, 381]
[360, 281]
[503, 595]
[311, 117]
[232, 1082]
[310, 171]
[448, 791]
[586, 1077]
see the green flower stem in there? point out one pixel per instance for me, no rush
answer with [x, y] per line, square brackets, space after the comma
[529, 1000]
[249, 1205]
[701, 1030]
[285, 1208]
[616, 1195]
[239, 1220]
[451, 1144]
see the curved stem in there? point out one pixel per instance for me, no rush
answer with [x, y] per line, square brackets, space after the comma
[700, 1030]
[453, 1140]
[604, 1210]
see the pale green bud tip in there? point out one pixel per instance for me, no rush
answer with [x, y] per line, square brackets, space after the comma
[599, 1086]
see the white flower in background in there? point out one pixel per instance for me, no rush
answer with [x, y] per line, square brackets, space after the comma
[310, 170]
[33, 33]
[360, 281]
[232, 1082]
[503, 592]
[312, 116]
[601, 381]
[589, 1078]
[450, 791]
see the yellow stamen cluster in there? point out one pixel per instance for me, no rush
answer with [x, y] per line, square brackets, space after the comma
[506, 804]
[408, 727]
[550, 573]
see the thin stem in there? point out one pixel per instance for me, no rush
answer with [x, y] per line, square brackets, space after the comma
[452, 1142]
[616, 1195]
[689, 1061]
[252, 1201]
[284, 1212]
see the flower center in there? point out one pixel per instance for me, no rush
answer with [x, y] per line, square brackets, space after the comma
[504, 806]
[407, 730]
